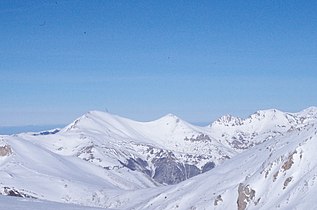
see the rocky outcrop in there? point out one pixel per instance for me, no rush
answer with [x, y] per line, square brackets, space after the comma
[208, 166]
[5, 150]
[137, 165]
[44, 133]
[245, 195]
[166, 169]
[13, 192]
[201, 137]
[289, 162]
[286, 182]
[218, 200]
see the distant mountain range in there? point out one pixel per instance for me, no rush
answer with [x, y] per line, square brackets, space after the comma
[9, 130]
[265, 161]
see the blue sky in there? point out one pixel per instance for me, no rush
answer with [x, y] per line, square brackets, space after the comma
[144, 59]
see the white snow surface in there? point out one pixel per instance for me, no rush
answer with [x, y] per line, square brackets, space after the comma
[266, 161]
[14, 203]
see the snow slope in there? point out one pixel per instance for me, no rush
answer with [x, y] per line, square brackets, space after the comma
[15, 203]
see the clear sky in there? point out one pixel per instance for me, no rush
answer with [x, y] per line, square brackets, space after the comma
[144, 59]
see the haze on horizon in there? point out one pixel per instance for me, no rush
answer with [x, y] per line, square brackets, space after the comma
[143, 59]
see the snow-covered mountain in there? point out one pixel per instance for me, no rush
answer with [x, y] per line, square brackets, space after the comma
[262, 162]
[241, 134]
[155, 148]
[277, 174]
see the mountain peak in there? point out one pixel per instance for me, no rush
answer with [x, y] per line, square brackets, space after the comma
[268, 113]
[170, 118]
[229, 120]
[170, 115]
[309, 111]
[90, 118]
[96, 113]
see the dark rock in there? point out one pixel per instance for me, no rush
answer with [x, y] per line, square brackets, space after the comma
[44, 133]
[200, 137]
[137, 165]
[191, 170]
[208, 166]
[245, 195]
[5, 150]
[13, 192]
[167, 171]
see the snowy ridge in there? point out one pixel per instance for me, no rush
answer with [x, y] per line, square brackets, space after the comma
[242, 134]
[162, 132]
[104, 160]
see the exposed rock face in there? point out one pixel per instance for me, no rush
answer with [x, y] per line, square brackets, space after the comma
[288, 164]
[287, 181]
[138, 164]
[5, 150]
[169, 171]
[44, 133]
[13, 192]
[166, 170]
[208, 166]
[191, 170]
[201, 137]
[245, 195]
[161, 165]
